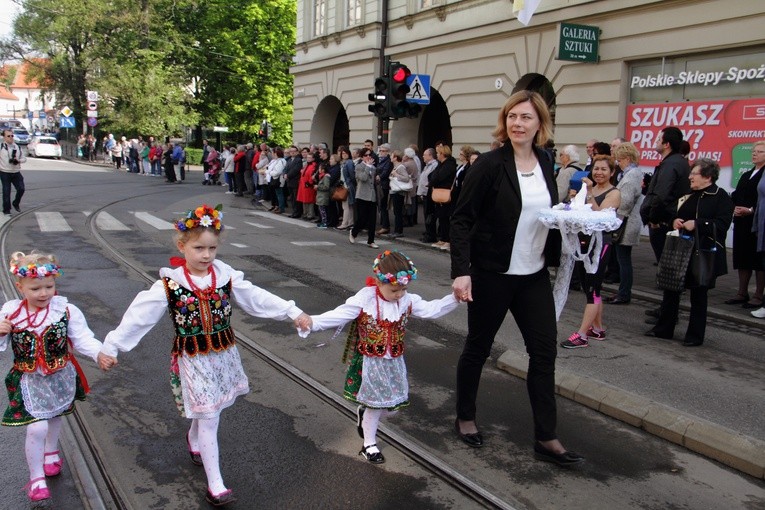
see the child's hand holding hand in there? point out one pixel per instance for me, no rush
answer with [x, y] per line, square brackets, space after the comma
[303, 323]
[6, 327]
[106, 362]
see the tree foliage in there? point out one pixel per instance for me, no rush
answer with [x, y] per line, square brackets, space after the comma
[161, 65]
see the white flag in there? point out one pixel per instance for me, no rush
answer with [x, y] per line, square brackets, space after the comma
[524, 9]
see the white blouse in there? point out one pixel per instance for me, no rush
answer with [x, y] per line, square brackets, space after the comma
[530, 234]
[83, 339]
[150, 305]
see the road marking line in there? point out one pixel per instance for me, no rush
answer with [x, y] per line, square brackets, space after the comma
[312, 243]
[155, 222]
[283, 219]
[52, 222]
[105, 221]
[237, 245]
[258, 225]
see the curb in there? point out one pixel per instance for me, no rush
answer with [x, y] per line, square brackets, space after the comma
[743, 453]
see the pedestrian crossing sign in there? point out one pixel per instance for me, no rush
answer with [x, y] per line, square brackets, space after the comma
[419, 88]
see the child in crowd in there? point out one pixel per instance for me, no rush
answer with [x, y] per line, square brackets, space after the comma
[376, 378]
[323, 193]
[206, 370]
[45, 379]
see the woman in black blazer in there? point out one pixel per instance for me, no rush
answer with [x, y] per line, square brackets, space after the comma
[705, 213]
[499, 203]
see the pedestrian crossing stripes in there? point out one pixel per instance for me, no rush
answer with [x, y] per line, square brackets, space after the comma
[258, 225]
[105, 221]
[52, 222]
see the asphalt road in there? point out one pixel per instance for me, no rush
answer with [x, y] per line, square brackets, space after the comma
[284, 448]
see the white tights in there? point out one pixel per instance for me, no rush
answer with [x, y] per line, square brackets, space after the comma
[42, 436]
[370, 423]
[203, 437]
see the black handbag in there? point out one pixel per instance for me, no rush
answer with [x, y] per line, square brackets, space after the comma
[702, 273]
[673, 263]
[618, 234]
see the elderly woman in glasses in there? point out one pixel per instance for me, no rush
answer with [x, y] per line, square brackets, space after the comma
[706, 214]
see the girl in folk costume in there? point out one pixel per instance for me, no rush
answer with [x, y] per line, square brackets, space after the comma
[376, 378]
[45, 379]
[206, 373]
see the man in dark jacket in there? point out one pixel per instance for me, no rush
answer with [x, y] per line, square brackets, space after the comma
[294, 167]
[669, 182]
[382, 180]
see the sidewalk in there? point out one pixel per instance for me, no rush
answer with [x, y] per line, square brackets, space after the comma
[673, 410]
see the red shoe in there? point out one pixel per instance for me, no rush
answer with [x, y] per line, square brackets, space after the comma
[53, 468]
[38, 493]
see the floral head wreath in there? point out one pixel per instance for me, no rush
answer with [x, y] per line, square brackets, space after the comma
[401, 278]
[35, 270]
[202, 216]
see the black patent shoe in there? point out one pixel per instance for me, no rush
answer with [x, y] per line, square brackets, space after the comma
[359, 418]
[474, 440]
[568, 458]
[692, 343]
[653, 312]
[224, 498]
[374, 458]
[196, 458]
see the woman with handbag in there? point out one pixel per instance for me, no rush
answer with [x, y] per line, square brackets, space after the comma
[400, 186]
[705, 215]
[628, 235]
[441, 182]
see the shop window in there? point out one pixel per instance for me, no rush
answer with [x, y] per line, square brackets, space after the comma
[724, 75]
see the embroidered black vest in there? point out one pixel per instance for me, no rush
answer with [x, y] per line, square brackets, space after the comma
[378, 337]
[49, 350]
[200, 325]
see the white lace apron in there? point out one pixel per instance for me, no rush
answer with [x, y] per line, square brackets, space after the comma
[47, 396]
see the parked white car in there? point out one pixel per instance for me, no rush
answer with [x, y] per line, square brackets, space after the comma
[44, 147]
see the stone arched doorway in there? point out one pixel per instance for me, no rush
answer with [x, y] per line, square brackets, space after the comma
[330, 124]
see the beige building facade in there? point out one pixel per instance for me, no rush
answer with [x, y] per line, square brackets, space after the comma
[657, 59]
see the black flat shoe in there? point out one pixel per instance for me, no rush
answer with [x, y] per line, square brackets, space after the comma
[474, 440]
[359, 418]
[738, 300]
[692, 344]
[654, 334]
[653, 312]
[747, 305]
[618, 301]
[568, 458]
[374, 458]
[224, 498]
[651, 320]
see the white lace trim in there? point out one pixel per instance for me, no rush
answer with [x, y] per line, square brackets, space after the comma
[222, 276]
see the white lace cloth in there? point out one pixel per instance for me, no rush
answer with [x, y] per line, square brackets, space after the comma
[571, 221]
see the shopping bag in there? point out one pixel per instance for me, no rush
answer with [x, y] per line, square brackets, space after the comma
[673, 263]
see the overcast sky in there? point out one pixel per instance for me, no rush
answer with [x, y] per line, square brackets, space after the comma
[8, 10]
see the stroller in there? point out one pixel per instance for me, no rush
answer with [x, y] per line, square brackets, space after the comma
[212, 176]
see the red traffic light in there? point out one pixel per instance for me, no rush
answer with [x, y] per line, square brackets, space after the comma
[400, 73]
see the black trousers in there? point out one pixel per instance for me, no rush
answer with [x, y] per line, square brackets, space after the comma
[383, 205]
[529, 298]
[397, 199]
[657, 237]
[366, 213]
[670, 308]
[9, 179]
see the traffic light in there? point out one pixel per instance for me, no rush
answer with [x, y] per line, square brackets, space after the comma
[398, 106]
[380, 97]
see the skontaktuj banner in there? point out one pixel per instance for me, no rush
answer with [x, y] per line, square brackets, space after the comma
[723, 130]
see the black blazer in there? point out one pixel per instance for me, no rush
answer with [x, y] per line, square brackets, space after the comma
[485, 217]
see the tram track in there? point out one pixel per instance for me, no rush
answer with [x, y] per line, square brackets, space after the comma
[411, 448]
